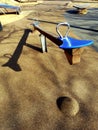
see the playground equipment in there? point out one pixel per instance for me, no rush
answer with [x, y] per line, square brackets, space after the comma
[4, 8]
[72, 47]
[27, 0]
[81, 9]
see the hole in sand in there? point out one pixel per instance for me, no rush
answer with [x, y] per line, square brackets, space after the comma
[68, 106]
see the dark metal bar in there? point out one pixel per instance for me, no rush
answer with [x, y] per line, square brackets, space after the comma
[48, 35]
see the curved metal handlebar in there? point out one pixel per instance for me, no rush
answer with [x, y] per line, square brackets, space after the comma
[57, 29]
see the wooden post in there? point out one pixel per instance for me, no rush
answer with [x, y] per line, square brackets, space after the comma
[82, 11]
[74, 55]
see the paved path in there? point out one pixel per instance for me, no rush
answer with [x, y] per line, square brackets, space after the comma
[85, 26]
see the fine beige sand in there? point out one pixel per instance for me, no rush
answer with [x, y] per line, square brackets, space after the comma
[42, 91]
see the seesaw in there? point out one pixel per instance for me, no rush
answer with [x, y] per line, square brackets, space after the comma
[81, 9]
[4, 7]
[72, 47]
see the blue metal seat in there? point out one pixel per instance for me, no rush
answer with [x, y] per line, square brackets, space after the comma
[69, 42]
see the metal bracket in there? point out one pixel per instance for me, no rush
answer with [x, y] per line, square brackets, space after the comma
[67, 31]
[43, 43]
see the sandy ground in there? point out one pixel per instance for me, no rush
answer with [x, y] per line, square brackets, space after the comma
[32, 83]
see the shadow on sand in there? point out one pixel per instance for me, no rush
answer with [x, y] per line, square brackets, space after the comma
[13, 61]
